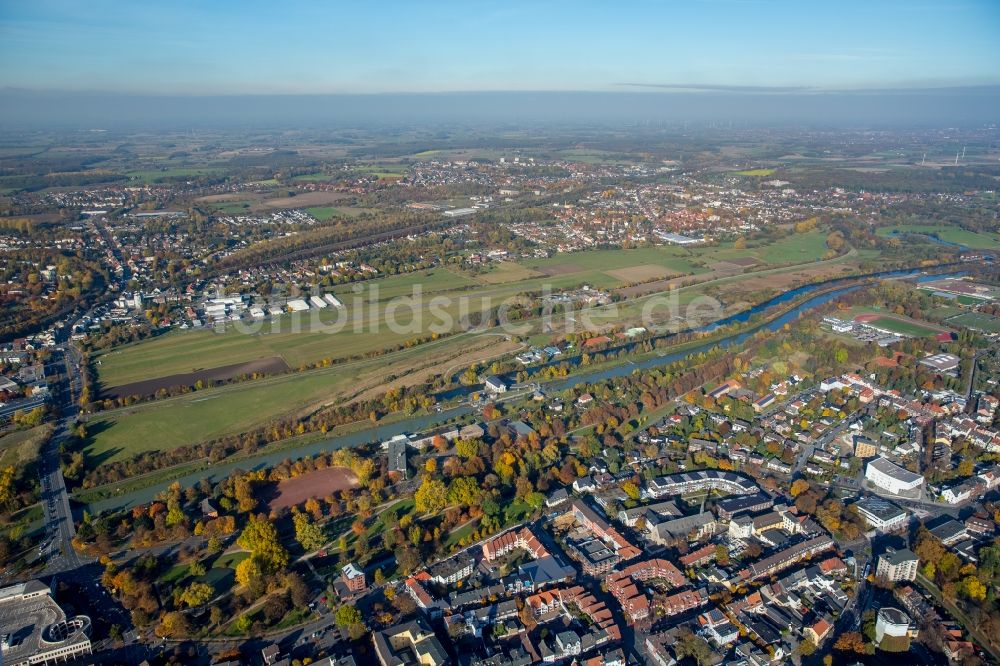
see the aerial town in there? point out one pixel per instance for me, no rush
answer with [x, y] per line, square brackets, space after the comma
[452, 334]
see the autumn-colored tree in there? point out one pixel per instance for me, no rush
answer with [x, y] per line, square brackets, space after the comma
[197, 594]
[851, 641]
[799, 486]
[261, 538]
[248, 572]
[309, 535]
[173, 625]
[431, 496]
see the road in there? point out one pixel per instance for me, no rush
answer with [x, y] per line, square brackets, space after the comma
[55, 498]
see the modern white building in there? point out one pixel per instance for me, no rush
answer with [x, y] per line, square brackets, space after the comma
[891, 622]
[891, 477]
[495, 385]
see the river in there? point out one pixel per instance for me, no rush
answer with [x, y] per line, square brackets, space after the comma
[422, 422]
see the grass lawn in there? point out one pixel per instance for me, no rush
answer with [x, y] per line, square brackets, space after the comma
[454, 538]
[793, 249]
[400, 509]
[507, 271]
[945, 311]
[949, 234]
[587, 261]
[174, 574]
[383, 171]
[429, 281]
[230, 560]
[516, 512]
[21, 447]
[203, 415]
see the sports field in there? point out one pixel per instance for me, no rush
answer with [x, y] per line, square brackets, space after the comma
[324, 213]
[899, 324]
[318, 483]
[949, 234]
[976, 321]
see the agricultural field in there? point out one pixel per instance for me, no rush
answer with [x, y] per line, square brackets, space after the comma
[948, 234]
[234, 207]
[754, 173]
[203, 415]
[180, 352]
[312, 178]
[157, 175]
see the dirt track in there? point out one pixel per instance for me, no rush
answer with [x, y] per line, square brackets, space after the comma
[320, 483]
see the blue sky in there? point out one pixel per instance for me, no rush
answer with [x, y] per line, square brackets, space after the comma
[219, 46]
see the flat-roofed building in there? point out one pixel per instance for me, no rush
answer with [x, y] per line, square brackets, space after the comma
[730, 507]
[897, 565]
[36, 630]
[881, 514]
[941, 362]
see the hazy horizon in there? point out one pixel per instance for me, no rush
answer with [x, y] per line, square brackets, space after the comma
[958, 106]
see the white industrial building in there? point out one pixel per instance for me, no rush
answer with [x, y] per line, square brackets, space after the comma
[36, 630]
[298, 305]
[891, 477]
